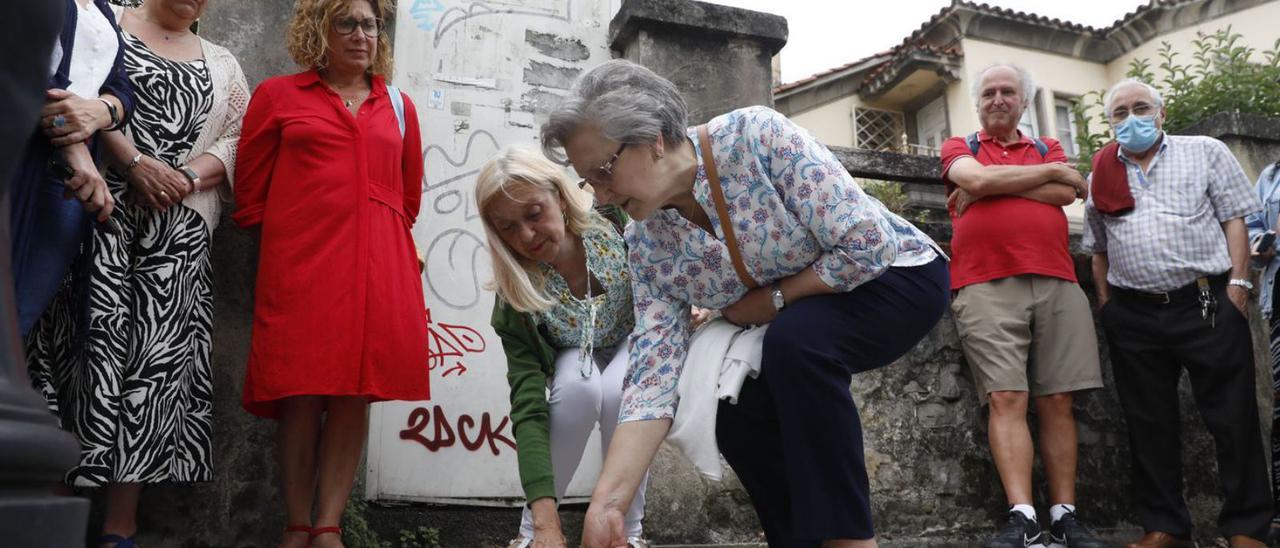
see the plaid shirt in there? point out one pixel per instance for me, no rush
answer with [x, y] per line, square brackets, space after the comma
[1174, 233]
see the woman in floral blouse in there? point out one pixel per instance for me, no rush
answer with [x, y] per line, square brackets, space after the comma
[845, 286]
[563, 313]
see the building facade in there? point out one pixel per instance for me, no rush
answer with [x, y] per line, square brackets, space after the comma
[915, 95]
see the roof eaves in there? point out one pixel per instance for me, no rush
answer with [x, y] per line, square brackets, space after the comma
[834, 73]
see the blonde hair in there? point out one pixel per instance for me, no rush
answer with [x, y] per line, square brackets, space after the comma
[518, 280]
[308, 40]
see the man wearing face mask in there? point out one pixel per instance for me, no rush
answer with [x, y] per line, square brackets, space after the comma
[1165, 224]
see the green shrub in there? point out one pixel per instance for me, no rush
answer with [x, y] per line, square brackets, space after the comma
[1221, 77]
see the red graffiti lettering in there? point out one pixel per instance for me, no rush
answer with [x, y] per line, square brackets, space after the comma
[443, 435]
[448, 343]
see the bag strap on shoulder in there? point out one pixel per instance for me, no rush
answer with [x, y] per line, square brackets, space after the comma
[972, 141]
[722, 209]
[397, 104]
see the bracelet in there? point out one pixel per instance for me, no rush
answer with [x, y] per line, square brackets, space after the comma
[133, 162]
[1246, 284]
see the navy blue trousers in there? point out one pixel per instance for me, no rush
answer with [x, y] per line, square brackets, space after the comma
[794, 437]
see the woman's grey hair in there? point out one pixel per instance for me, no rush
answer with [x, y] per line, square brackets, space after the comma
[1024, 78]
[627, 102]
[1156, 100]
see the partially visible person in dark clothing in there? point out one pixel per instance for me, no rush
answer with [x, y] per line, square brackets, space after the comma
[87, 93]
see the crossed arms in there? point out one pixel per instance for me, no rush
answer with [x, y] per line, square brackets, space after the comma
[1053, 183]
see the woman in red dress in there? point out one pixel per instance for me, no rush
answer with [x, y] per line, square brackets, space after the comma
[332, 174]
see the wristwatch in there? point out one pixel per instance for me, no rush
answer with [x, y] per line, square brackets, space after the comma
[1246, 284]
[778, 300]
[191, 176]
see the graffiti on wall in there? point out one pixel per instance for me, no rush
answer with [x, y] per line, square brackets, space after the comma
[482, 73]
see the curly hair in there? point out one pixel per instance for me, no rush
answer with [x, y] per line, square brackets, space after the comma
[309, 30]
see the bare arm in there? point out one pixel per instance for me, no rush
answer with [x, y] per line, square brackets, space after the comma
[756, 307]
[211, 171]
[979, 180]
[1238, 249]
[119, 149]
[546, 523]
[1100, 267]
[1059, 194]
[632, 450]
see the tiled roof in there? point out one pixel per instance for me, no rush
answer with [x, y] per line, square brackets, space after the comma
[830, 71]
[912, 44]
[905, 50]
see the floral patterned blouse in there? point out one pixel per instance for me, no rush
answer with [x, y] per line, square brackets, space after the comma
[793, 206]
[568, 322]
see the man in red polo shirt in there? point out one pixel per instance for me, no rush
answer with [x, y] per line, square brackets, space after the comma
[1024, 322]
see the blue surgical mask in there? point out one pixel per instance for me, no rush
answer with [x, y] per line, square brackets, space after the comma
[1137, 133]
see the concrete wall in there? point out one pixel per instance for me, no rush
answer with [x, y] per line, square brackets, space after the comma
[831, 123]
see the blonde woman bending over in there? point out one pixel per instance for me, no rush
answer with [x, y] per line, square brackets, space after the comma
[563, 312]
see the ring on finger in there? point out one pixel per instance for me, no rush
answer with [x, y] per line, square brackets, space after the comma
[59, 121]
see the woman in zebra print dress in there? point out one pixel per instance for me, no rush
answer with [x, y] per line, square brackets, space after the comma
[125, 361]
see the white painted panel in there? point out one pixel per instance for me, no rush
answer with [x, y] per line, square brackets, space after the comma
[479, 74]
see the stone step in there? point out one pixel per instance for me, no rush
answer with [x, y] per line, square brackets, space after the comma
[1116, 536]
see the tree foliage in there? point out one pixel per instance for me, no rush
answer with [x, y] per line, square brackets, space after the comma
[1221, 76]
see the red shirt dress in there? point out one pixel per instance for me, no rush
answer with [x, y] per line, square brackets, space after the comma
[338, 306]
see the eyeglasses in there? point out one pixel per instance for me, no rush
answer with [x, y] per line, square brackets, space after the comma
[1139, 109]
[347, 25]
[605, 172]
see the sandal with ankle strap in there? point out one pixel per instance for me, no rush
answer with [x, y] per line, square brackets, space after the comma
[325, 530]
[120, 542]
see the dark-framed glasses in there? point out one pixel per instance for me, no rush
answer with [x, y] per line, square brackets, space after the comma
[347, 25]
[603, 173]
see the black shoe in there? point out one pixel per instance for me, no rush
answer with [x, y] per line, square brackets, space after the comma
[1069, 532]
[1018, 532]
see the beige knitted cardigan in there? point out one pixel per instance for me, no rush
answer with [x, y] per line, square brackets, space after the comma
[221, 132]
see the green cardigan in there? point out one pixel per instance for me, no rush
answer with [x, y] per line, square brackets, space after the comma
[530, 362]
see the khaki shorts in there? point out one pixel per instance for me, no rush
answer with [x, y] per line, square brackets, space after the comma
[1004, 322]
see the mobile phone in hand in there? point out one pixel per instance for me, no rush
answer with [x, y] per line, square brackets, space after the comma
[1265, 243]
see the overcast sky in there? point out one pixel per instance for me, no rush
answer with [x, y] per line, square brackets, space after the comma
[829, 33]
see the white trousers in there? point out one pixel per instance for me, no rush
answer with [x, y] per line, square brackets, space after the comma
[578, 403]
